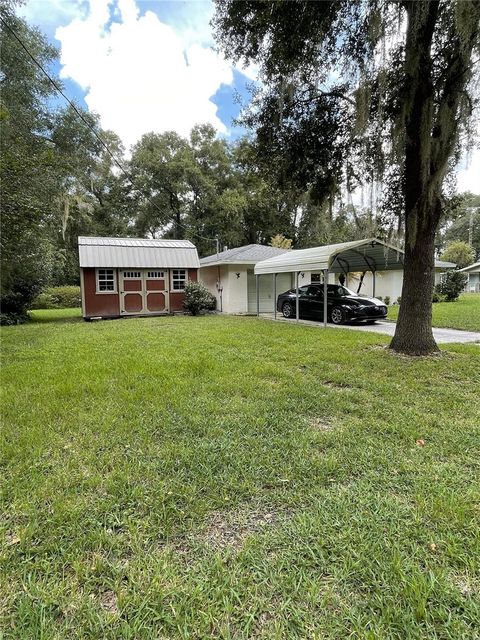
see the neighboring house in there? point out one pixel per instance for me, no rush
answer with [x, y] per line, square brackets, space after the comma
[229, 276]
[389, 283]
[473, 273]
[133, 276]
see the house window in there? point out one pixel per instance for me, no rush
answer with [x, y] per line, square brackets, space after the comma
[105, 280]
[131, 275]
[155, 275]
[179, 278]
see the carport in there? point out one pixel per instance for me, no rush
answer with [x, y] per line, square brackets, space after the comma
[370, 254]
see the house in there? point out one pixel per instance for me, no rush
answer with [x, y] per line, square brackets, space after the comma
[473, 273]
[133, 276]
[229, 277]
[389, 283]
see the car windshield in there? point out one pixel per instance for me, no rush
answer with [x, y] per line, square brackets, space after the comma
[339, 291]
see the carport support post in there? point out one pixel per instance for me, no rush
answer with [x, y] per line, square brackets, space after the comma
[373, 278]
[257, 277]
[275, 296]
[325, 291]
[297, 304]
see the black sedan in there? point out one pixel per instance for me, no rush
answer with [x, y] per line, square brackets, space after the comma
[343, 305]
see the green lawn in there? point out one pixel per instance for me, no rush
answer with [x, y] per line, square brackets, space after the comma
[235, 478]
[464, 313]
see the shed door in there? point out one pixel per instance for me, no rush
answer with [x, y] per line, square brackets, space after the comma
[284, 283]
[143, 291]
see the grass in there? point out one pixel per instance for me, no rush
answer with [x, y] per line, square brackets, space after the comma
[234, 478]
[464, 313]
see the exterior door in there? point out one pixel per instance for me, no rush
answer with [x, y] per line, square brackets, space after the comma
[143, 291]
[156, 292]
[131, 291]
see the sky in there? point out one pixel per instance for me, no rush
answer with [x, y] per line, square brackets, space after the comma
[151, 65]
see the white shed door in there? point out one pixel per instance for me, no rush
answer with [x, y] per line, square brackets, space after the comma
[284, 281]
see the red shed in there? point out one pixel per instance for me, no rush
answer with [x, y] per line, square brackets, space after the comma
[134, 276]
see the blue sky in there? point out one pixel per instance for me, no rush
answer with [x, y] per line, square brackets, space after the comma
[150, 65]
[143, 65]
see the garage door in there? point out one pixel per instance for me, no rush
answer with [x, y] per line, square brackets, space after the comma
[266, 290]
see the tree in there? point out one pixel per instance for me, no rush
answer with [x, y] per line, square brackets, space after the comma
[280, 242]
[365, 93]
[461, 221]
[27, 169]
[460, 253]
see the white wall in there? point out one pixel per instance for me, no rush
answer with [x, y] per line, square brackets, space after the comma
[211, 276]
[230, 291]
[236, 300]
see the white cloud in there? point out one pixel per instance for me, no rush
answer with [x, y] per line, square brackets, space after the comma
[49, 12]
[139, 73]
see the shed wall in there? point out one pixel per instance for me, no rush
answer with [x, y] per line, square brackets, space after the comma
[99, 304]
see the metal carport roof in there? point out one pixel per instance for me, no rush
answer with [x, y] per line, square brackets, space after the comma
[359, 255]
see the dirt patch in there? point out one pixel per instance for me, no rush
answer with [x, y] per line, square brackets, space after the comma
[230, 530]
[108, 602]
[465, 585]
[319, 424]
[338, 385]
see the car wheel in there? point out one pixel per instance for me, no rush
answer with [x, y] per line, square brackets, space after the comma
[370, 322]
[338, 315]
[287, 310]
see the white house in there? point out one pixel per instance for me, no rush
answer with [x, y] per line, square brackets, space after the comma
[229, 276]
[473, 273]
[389, 283]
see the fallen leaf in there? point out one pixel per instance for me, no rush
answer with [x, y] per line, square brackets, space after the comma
[420, 442]
[432, 546]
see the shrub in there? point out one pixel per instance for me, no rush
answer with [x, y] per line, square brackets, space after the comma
[198, 298]
[452, 285]
[379, 298]
[399, 300]
[437, 297]
[387, 300]
[15, 302]
[58, 298]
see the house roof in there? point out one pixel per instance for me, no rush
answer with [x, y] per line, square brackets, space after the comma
[248, 254]
[136, 252]
[473, 268]
[441, 264]
[345, 256]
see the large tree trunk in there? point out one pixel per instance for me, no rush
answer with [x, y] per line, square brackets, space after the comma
[413, 334]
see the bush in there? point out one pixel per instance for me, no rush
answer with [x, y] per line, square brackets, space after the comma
[15, 302]
[437, 297]
[58, 298]
[379, 298]
[198, 298]
[399, 300]
[387, 300]
[452, 285]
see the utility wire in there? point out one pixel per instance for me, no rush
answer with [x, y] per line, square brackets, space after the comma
[92, 129]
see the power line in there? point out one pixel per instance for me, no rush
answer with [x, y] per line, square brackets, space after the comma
[89, 126]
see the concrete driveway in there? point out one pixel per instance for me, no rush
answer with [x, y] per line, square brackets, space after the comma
[442, 336]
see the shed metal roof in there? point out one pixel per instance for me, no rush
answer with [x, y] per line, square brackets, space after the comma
[248, 254]
[350, 256]
[136, 252]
